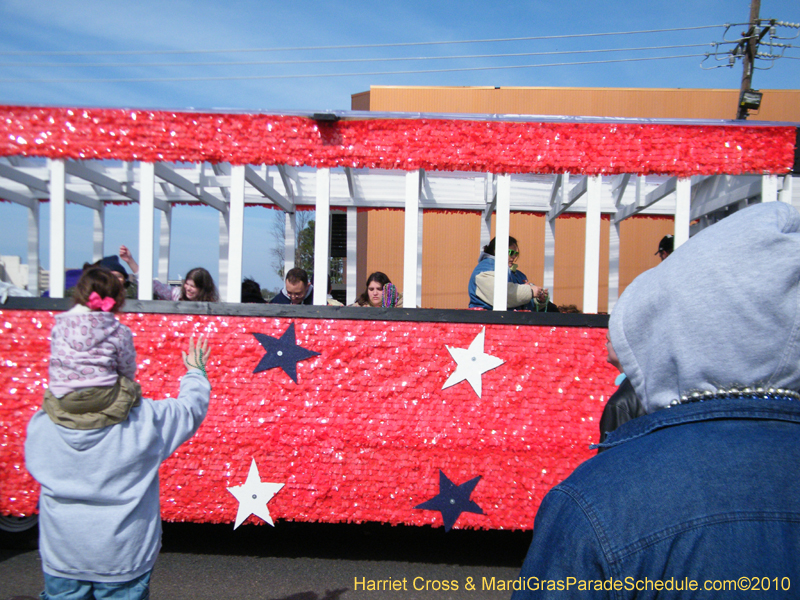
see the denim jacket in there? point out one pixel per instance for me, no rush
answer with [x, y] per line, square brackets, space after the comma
[706, 493]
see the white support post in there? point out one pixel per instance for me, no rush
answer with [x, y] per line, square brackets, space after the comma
[486, 221]
[224, 244]
[486, 228]
[235, 244]
[33, 248]
[411, 240]
[98, 232]
[769, 188]
[785, 193]
[591, 257]
[613, 265]
[147, 195]
[322, 237]
[549, 254]
[165, 235]
[352, 255]
[419, 261]
[290, 242]
[558, 197]
[502, 231]
[58, 216]
[683, 196]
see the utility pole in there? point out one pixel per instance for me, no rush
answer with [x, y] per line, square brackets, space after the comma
[747, 48]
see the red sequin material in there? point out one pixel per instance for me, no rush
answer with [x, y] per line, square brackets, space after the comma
[364, 433]
[432, 144]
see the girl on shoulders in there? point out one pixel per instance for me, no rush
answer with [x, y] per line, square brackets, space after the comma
[93, 360]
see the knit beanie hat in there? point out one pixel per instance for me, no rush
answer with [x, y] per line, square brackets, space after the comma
[112, 264]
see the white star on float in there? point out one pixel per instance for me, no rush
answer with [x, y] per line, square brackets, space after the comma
[253, 496]
[471, 363]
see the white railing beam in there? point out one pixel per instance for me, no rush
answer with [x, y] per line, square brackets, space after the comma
[322, 236]
[267, 190]
[352, 256]
[502, 231]
[98, 232]
[58, 217]
[164, 238]
[33, 249]
[769, 188]
[179, 181]
[146, 219]
[235, 244]
[591, 257]
[411, 239]
[683, 197]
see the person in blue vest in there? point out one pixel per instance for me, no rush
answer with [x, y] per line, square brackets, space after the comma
[522, 295]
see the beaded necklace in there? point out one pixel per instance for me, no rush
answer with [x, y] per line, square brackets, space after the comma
[759, 392]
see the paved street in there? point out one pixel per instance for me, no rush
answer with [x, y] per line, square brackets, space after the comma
[299, 561]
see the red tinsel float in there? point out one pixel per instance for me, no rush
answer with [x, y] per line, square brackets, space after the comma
[407, 144]
[363, 434]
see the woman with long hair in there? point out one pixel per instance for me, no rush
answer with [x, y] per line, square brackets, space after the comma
[380, 292]
[198, 285]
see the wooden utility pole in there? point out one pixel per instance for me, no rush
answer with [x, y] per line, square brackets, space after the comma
[748, 47]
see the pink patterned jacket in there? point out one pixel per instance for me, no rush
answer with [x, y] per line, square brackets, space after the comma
[89, 349]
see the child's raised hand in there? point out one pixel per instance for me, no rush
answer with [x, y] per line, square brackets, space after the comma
[197, 355]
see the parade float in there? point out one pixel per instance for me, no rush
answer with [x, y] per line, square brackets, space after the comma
[417, 416]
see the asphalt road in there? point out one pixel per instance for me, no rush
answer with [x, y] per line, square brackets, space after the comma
[309, 561]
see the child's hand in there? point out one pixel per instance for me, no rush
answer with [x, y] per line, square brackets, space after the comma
[197, 356]
[124, 253]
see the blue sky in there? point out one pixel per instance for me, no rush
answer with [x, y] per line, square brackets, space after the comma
[181, 33]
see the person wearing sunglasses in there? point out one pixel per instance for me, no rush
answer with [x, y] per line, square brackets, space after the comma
[522, 295]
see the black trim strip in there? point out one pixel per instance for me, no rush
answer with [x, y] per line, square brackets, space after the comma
[796, 166]
[328, 312]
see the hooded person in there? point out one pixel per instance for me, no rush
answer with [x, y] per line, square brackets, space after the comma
[703, 487]
[98, 464]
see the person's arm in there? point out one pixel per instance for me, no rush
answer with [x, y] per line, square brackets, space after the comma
[517, 294]
[178, 419]
[161, 291]
[126, 255]
[565, 545]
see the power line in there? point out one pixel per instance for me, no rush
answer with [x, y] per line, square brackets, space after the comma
[354, 46]
[347, 60]
[328, 75]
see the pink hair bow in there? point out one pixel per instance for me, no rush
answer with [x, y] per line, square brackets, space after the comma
[97, 303]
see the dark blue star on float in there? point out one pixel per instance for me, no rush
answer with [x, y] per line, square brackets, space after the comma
[452, 500]
[282, 352]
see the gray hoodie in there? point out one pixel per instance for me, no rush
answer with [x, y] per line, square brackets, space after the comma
[721, 312]
[99, 516]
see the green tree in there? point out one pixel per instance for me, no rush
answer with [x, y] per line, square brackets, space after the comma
[304, 256]
[304, 252]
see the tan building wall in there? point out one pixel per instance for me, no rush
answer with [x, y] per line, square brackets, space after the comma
[451, 246]
[645, 103]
